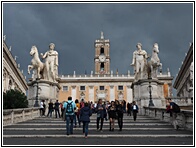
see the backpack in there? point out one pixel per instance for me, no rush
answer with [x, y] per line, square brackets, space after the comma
[176, 108]
[69, 108]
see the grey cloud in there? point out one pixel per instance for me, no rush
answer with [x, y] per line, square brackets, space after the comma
[75, 27]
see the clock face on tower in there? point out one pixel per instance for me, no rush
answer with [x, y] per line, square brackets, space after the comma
[102, 58]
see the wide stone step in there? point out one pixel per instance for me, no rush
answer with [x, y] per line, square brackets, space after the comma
[94, 131]
[76, 129]
[90, 126]
[100, 136]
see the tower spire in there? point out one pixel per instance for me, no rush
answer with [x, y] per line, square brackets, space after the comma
[102, 37]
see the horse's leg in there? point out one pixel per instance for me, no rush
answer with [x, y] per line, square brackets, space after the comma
[38, 72]
[29, 68]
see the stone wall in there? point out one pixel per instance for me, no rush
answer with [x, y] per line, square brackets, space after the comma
[185, 117]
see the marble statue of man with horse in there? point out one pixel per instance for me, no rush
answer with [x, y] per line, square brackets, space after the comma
[143, 68]
[49, 69]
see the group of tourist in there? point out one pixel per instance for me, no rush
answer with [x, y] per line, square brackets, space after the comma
[77, 112]
[82, 111]
[51, 107]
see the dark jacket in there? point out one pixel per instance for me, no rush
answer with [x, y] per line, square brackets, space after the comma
[100, 112]
[136, 108]
[85, 114]
[119, 109]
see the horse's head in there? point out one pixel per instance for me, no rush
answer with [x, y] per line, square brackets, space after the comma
[33, 50]
[156, 48]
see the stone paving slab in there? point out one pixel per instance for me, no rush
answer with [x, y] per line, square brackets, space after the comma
[105, 141]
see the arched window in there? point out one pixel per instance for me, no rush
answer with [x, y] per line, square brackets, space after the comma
[102, 51]
[102, 66]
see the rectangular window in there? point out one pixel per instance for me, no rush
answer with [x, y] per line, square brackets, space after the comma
[82, 87]
[65, 88]
[120, 87]
[101, 87]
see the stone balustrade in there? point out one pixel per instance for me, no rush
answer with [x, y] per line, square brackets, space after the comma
[185, 117]
[11, 116]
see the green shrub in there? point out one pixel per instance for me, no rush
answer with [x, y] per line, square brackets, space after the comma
[14, 99]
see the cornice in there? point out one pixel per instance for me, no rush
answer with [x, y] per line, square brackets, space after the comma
[185, 66]
[12, 63]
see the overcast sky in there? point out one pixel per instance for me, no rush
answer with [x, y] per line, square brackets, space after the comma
[74, 28]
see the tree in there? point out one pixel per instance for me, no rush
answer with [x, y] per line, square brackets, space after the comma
[14, 99]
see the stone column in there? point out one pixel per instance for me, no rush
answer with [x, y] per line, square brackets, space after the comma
[112, 93]
[73, 92]
[91, 94]
[129, 94]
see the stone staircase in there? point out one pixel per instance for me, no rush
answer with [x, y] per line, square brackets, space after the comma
[50, 130]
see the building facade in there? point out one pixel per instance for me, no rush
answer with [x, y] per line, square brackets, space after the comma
[184, 80]
[13, 78]
[103, 84]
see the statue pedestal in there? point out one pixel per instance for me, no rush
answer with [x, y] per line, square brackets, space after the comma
[44, 89]
[141, 93]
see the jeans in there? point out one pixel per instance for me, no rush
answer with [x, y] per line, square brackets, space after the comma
[57, 111]
[174, 121]
[76, 117]
[69, 119]
[98, 122]
[85, 127]
[49, 112]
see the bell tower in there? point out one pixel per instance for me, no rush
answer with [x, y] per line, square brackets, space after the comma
[102, 56]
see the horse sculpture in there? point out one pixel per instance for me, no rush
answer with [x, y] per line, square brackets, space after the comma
[36, 63]
[154, 63]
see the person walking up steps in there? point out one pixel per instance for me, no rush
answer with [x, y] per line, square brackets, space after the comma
[85, 114]
[69, 106]
[174, 109]
[135, 110]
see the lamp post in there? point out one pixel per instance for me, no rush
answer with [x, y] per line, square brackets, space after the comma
[36, 98]
[150, 93]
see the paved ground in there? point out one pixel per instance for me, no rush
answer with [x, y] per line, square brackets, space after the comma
[99, 141]
[51, 131]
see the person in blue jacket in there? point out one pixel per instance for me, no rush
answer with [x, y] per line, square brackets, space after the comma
[85, 114]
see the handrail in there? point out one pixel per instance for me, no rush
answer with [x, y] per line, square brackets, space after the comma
[185, 117]
[11, 116]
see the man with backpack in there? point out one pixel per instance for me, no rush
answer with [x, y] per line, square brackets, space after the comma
[69, 107]
[174, 109]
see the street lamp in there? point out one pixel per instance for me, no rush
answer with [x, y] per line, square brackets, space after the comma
[36, 98]
[150, 93]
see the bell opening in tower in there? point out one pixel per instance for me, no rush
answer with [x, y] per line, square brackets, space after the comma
[102, 50]
[102, 67]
